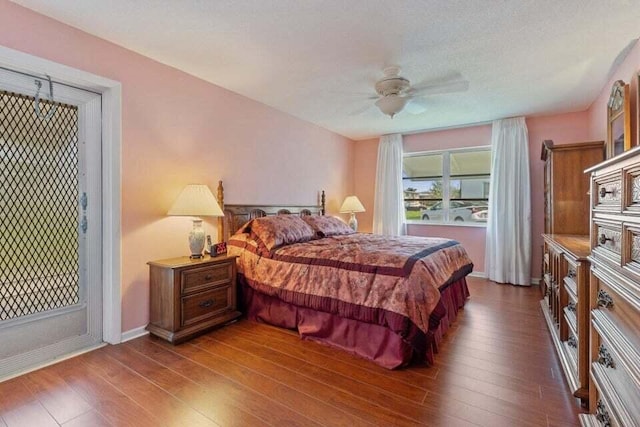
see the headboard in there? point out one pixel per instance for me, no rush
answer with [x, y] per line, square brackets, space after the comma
[235, 216]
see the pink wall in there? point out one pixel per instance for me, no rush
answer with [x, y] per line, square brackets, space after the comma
[564, 128]
[364, 180]
[177, 129]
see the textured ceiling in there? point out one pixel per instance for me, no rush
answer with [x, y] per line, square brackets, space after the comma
[318, 60]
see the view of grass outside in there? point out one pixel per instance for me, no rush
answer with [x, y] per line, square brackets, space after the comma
[411, 214]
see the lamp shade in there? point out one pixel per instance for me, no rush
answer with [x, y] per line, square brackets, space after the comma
[196, 200]
[391, 104]
[351, 204]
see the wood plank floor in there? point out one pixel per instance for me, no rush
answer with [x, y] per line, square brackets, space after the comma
[496, 368]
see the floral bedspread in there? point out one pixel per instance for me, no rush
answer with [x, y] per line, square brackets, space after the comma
[361, 276]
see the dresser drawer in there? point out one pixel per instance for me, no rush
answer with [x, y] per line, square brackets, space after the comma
[616, 351]
[607, 240]
[608, 192]
[631, 199]
[615, 404]
[205, 305]
[631, 250]
[195, 280]
[618, 298]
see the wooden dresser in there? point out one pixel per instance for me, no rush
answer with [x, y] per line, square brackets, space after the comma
[615, 292]
[188, 296]
[565, 282]
[566, 306]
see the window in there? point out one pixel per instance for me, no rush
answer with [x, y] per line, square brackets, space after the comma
[447, 186]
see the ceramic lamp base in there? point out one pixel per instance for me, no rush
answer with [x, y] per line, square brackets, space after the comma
[196, 239]
[353, 222]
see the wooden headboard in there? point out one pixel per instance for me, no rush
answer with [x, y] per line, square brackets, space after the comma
[235, 216]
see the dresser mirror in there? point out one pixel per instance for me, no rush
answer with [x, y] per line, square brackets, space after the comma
[618, 119]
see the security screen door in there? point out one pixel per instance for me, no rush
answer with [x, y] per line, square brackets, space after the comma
[50, 221]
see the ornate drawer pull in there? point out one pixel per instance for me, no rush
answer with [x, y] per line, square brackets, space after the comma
[572, 341]
[603, 239]
[207, 303]
[604, 192]
[602, 415]
[571, 273]
[571, 307]
[605, 358]
[604, 299]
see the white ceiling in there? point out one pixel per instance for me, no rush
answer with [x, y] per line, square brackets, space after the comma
[318, 59]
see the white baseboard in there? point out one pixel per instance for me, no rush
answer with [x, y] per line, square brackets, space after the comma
[479, 274]
[50, 362]
[134, 333]
[482, 275]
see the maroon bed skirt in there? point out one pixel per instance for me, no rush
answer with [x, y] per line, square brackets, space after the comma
[370, 341]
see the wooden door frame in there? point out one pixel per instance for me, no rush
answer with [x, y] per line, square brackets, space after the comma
[111, 91]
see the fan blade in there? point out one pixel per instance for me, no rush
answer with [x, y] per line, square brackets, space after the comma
[360, 110]
[359, 95]
[440, 88]
[416, 106]
[441, 80]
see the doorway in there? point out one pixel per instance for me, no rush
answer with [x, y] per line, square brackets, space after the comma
[50, 220]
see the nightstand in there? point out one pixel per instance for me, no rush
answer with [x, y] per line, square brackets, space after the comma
[189, 296]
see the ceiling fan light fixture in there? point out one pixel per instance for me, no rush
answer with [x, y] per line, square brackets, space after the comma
[391, 104]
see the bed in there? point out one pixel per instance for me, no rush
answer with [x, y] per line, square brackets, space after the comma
[386, 299]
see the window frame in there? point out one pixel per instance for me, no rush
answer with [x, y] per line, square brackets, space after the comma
[446, 179]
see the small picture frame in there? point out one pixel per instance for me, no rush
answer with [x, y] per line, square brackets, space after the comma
[218, 249]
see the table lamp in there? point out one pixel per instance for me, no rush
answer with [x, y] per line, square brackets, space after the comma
[352, 205]
[196, 200]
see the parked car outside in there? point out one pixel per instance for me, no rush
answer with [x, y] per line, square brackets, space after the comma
[459, 211]
[480, 216]
[412, 206]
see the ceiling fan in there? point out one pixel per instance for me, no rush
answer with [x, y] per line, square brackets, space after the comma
[395, 92]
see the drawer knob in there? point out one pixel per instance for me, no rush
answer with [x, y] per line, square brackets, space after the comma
[207, 303]
[604, 357]
[604, 192]
[602, 415]
[604, 299]
[604, 239]
[208, 277]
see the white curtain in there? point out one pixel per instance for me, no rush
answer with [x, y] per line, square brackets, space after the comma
[508, 248]
[388, 209]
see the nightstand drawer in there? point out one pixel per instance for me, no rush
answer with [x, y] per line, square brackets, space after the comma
[194, 280]
[204, 305]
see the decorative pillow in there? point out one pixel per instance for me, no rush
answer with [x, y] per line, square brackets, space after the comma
[279, 230]
[325, 226]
